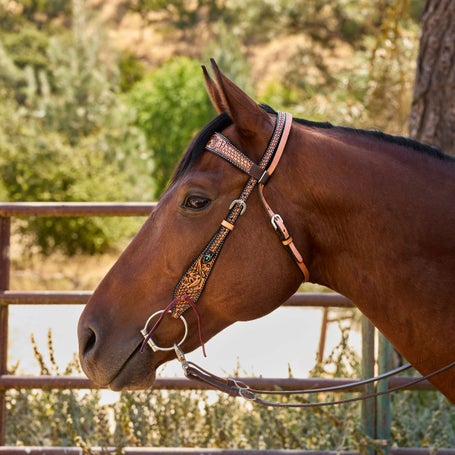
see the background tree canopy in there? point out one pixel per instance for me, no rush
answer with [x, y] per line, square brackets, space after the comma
[172, 100]
[97, 102]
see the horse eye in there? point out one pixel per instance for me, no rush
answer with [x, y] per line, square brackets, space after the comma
[196, 202]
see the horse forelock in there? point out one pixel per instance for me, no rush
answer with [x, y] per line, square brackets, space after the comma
[197, 145]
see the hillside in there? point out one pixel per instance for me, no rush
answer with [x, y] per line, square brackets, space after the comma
[154, 40]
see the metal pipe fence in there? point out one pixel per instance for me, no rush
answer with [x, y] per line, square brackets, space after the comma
[375, 412]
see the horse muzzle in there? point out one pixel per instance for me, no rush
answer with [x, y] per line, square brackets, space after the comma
[115, 361]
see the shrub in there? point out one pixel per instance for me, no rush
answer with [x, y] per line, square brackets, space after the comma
[45, 168]
[68, 137]
[171, 105]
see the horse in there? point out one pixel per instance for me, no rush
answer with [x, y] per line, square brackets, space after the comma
[369, 215]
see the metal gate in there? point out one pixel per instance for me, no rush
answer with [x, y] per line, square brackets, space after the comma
[375, 412]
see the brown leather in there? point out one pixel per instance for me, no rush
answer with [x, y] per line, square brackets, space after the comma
[237, 388]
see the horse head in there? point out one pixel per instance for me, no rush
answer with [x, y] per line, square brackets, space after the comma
[252, 275]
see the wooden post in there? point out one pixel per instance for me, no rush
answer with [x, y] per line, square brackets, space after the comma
[323, 335]
[5, 231]
[385, 352]
[368, 409]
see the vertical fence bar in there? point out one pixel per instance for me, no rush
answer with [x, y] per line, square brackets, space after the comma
[323, 334]
[5, 231]
[368, 407]
[383, 412]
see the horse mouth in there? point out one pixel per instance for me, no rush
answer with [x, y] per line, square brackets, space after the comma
[125, 381]
[136, 372]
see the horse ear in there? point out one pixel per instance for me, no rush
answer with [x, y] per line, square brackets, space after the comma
[247, 116]
[213, 92]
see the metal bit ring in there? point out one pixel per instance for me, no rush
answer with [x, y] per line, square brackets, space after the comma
[155, 347]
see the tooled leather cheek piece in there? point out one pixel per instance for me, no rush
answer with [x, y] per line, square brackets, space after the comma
[191, 285]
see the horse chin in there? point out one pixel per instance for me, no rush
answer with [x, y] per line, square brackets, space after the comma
[136, 374]
[128, 381]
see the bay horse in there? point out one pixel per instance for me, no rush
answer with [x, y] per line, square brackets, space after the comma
[372, 216]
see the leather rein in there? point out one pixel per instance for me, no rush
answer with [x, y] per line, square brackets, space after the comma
[191, 285]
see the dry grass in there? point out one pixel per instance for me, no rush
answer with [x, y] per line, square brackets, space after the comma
[33, 271]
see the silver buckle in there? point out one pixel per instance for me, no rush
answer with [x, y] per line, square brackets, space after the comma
[241, 203]
[276, 217]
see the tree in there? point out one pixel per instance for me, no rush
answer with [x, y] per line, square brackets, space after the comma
[171, 106]
[66, 134]
[432, 118]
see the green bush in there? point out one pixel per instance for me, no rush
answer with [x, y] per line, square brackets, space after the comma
[171, 105]
[36, 167]
[68, 136]
[131, 70]
[45, 10]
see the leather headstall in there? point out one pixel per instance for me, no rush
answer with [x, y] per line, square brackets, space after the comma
[192, 283]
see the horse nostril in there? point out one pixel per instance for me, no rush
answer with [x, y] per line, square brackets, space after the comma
[88, 341]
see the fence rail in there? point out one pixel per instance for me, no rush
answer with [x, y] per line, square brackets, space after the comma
[372, 410]
[191, 451]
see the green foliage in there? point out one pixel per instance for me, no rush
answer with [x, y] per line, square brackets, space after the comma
[323, 20]
[181, 14]
[373, 86]
[131, 70]
[171, 105]
[44, 10]
[49, 417]
[28, 47]
[24, 50]
[55, 171]
[68, 136]
[226, 48]
[428, 420]
[390, 82]
[79, 97]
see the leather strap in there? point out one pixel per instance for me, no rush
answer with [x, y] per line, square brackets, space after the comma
[221, 146]
[276, 220]
[238, 388]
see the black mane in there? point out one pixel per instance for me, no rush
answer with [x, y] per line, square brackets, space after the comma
[222, 121]
[398, 140]
[431, 150]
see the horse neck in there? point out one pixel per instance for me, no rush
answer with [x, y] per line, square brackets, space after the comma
[377, 224]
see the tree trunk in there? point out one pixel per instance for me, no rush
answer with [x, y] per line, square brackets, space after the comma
[432, 118]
